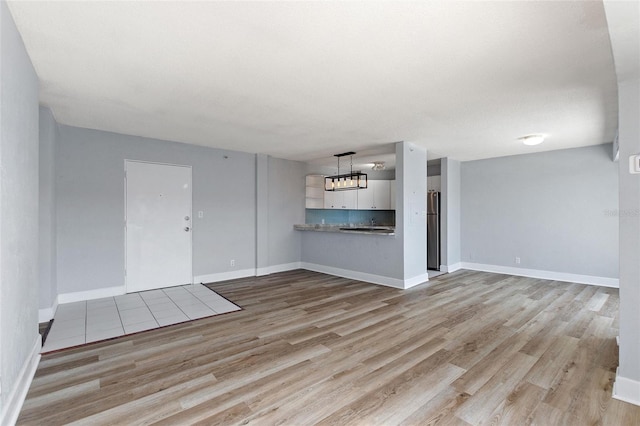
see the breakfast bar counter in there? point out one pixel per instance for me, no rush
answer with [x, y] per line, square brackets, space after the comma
[348, 229]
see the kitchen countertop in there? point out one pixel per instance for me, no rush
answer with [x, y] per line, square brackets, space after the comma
[348, 229]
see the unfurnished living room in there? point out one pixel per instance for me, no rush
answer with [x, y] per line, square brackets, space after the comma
[301, 213]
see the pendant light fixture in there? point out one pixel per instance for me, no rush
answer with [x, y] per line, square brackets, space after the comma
[347, 181]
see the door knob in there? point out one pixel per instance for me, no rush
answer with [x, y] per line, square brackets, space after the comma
[186, 228]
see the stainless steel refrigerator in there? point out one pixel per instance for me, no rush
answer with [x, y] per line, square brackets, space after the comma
[433, 230]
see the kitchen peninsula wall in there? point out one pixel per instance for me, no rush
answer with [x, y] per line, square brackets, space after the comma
[397, 261]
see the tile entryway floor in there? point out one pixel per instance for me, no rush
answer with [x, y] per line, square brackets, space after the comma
[93, 320]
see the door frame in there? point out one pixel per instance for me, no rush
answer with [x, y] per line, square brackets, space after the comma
[126, 162]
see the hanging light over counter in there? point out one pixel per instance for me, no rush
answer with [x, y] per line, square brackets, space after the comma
[346, 181]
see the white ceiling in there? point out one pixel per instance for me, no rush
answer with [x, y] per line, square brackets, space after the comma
[305, 80]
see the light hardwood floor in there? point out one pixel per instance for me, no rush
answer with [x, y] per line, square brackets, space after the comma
[469, 348]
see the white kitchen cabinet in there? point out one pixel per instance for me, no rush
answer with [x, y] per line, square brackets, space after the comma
[377, 196]
[382, 194]
[350, 199]
[341, 199]
[365, 197]
[314, 192]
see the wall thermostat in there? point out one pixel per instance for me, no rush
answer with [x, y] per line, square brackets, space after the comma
[634, 164]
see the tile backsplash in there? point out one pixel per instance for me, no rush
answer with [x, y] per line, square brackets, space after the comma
[331, 216]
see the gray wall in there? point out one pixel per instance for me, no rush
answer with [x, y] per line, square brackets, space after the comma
[314, 169]
[623, 20]
[552, 209]
[450, 213]
[434, 167]
[285, 208]
[629, 101]
[262, 211]
[47, 208]
[90, 205]
[18, 208]
[411, 208]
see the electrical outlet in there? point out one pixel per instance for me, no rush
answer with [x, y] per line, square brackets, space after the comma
[517, 260]
[200, 214]
[232, 262]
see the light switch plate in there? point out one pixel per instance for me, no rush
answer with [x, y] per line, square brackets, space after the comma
[634, 164]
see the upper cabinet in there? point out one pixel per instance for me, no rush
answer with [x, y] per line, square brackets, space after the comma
[376, 197]
[314, 190]
[347, 200]
[382, 194]
[379, 195]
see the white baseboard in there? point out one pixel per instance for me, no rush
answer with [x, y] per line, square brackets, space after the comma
[354, 275]
[626, 390]
[363, 276]
[545, 275]
[17, 395]
[98, 293]
[46, 314]
[277, 268]
[451, 268]
[419, 279]
[224, 276]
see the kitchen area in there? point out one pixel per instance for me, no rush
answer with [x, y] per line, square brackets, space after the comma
[354, 216]
[368, 210]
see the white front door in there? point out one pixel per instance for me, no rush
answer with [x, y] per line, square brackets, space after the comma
[157, 225]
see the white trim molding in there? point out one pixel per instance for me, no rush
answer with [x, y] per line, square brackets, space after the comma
[354, 275]
[451, 268]
[545, 275]
[224, 276]
[98, 293]
[626, 390]
[366, 277]
[268, 270]
[418, 279]
[17, 395]
[46, 314]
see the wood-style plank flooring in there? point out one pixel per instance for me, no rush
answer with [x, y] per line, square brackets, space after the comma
[467, 348]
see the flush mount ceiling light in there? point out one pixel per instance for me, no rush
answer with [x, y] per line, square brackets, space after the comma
[347, 181]
[378, 165]
[532, 139]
